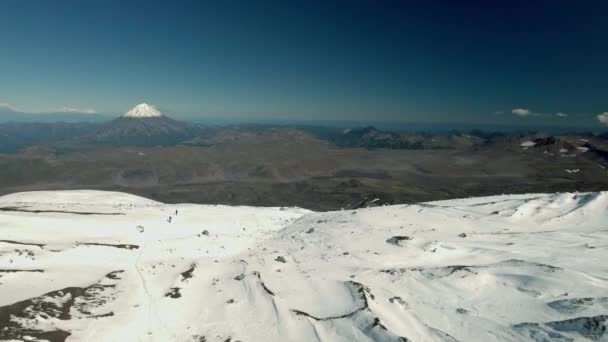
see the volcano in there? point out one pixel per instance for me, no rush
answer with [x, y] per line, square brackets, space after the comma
[145, 125]
[143, 110]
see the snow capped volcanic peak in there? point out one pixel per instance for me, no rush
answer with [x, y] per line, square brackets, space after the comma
[143, 110]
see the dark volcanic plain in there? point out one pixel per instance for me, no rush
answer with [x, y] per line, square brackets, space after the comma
[302, 167]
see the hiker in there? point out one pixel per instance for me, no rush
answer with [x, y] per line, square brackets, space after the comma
[169, 219]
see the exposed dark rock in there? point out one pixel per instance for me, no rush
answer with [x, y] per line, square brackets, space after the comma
[174, 292]
[592, 328]
[396, 300]
[114, 275]
[257, 274]
[574, 305]
[544, 141]
[396, 240]
[23, 243]
[18, 271]
[189, 272]
[433, 272]
[55, 211]
[280, 259]
[61, 304]
[122, 246]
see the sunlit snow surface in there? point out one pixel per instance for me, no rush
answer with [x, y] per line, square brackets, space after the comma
[143, 110]
[103, 266]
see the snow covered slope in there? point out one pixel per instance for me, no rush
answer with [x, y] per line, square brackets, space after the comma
[143, 110]
[102, 266]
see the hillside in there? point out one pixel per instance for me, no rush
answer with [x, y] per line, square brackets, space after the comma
[115, 267]
[281, 166]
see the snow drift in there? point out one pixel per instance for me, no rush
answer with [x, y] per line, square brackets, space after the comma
[96, 266]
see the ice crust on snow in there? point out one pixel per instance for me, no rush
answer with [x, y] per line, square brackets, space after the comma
[107, 266]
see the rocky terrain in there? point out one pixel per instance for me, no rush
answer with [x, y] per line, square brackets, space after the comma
[323, 168]
[275, 166]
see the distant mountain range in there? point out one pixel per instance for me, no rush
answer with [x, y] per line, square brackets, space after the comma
[325, 168]
[145, 126]
[9, 115]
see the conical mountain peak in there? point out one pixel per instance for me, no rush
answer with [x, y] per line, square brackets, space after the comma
[143, 110]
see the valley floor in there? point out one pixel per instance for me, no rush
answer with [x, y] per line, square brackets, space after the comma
[106, 266]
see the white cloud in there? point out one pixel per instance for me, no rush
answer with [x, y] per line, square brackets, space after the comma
[603, 118]
[8, 106]
[561, 115]
[67, 109]
[521, 111]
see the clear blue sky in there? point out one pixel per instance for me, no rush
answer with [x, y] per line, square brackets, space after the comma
[421, 61]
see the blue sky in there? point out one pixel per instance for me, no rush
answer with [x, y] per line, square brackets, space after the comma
[490, 62]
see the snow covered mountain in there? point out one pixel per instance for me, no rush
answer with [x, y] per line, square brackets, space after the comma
[102, 266]
[144, 125]
[143, 110]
